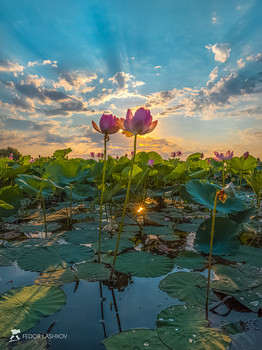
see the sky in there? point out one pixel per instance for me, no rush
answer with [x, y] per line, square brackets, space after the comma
[197, 65]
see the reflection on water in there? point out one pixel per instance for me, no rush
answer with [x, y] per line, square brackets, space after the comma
[96, 310]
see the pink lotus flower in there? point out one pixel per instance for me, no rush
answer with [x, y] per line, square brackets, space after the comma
[92, 154]
[11, 156]
[132, 153]
[208, 161]
[202, 155]
[31, 160]
[173, 154]
[178, 153]
[151, 162]
[98, 155]
[246, 155]
[108, 124]
[139, 124]
[221, 157]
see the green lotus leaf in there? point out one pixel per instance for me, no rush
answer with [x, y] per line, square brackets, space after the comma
[40, 227]
[189, 227]
[139, 338]
[32, 184]
[243, 216]
[55, 257]
[66, 171]
[4, 260]
[240, 278]
[243, 165]
[252, 298]
[204, 193]
[110, 245]
[56, 278]
[22, 308]
[188, 287]
[243, 282]
[198, 174]
[84, 236]
[190, 260]
[255, 181]
[194, 156]
[177, 172]
[246, 254]
[5, 205]
[183, 327]
[38, 343]
[11, 195]
[62, 152]
[90, 271]
[143, 264]
[225, 236]
[81, 192]
[157, 230]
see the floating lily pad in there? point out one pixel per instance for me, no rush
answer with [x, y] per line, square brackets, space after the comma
[157, 230]
[38, 343]
[56, 278]
[204, 193]
[22, 308]
[51, 226]
[110, 245]
[225, 236]
[129, 231]
[143, 264]
[252, 298]
[84, 236]
[190, 260]
[188, 287]
[243, 216]
[240, 278]
[52, 258]
[183, 328]
[5, 261]
[189, 227]
[139, 338]
[87, 225]
[92, 272]
[104, 258]
[243, 282]
[233, 328]
[13, 250]
[248, 255]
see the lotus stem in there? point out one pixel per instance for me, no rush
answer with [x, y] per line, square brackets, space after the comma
[223, 175]
[43, 205]
[124, 209]
[210, 251]
[71, 203]
[101, 197]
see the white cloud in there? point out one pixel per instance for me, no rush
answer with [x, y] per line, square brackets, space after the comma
[42, 63]
[221, 51]
[8, 66]
[157, 67]
[256, 58]
[241, 63]
[76, 80]
[123, 80]
[213, 74]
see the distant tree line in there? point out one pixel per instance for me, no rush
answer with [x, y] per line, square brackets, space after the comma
[6, 152]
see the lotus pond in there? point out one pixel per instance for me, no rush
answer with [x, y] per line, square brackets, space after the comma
[65, 285]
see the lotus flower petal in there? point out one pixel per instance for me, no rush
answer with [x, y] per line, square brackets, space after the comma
[95, 126]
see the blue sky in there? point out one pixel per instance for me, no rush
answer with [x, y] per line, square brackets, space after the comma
[197, 65]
